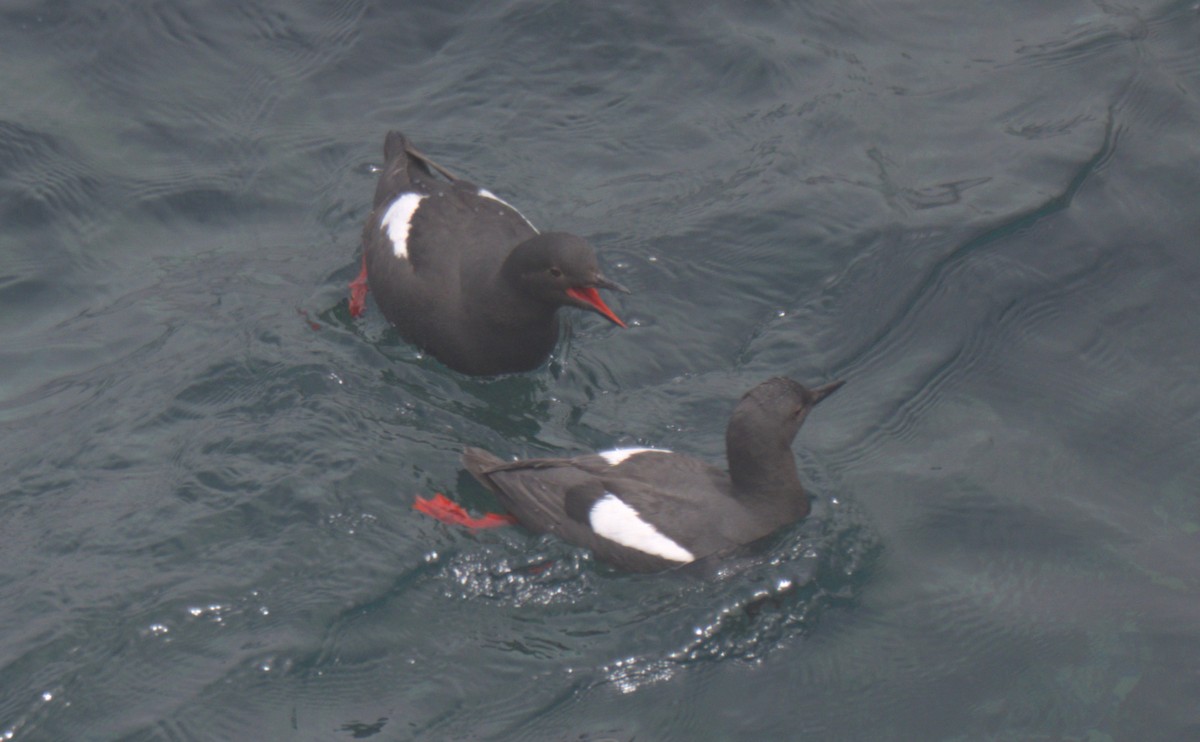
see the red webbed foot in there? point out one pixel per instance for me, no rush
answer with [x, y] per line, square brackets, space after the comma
[448, 511]
[358, 292]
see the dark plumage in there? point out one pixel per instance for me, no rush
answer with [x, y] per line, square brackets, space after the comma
[465, 277]
[645, 510]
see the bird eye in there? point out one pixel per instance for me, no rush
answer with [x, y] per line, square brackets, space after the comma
[556, 272]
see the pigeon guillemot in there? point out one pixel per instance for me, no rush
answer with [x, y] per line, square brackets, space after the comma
[465, 277]
[649, 509]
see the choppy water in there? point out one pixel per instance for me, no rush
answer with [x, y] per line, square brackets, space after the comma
[983, 216]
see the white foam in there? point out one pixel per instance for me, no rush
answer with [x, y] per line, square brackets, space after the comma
[488, 194]
[617, 522]
[617, 455]
[397, 221]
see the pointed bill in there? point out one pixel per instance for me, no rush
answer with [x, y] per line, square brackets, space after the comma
[822, 392]
[591, 297]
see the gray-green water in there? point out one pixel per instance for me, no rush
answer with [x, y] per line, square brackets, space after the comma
[982, 216]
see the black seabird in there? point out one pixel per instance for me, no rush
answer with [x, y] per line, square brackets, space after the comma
[462, 275]
[647, 509]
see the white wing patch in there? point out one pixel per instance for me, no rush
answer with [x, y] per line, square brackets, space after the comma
[617, 455]
[397, 221]
[617, 522]
[488, 194]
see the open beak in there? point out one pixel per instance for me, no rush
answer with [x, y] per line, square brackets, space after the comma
[603, 283]
[589, 296]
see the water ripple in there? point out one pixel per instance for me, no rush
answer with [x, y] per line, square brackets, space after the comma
[740, 612]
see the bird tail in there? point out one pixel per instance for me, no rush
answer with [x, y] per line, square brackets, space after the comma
[396, 144]
[481, 463]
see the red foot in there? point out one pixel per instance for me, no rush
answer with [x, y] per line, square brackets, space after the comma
[358, 292]
[304, 313]
[448, 511]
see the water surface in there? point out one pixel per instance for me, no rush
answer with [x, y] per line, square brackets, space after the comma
[981, 216]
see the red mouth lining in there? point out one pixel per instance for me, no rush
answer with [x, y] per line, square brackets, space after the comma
[590, 296]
